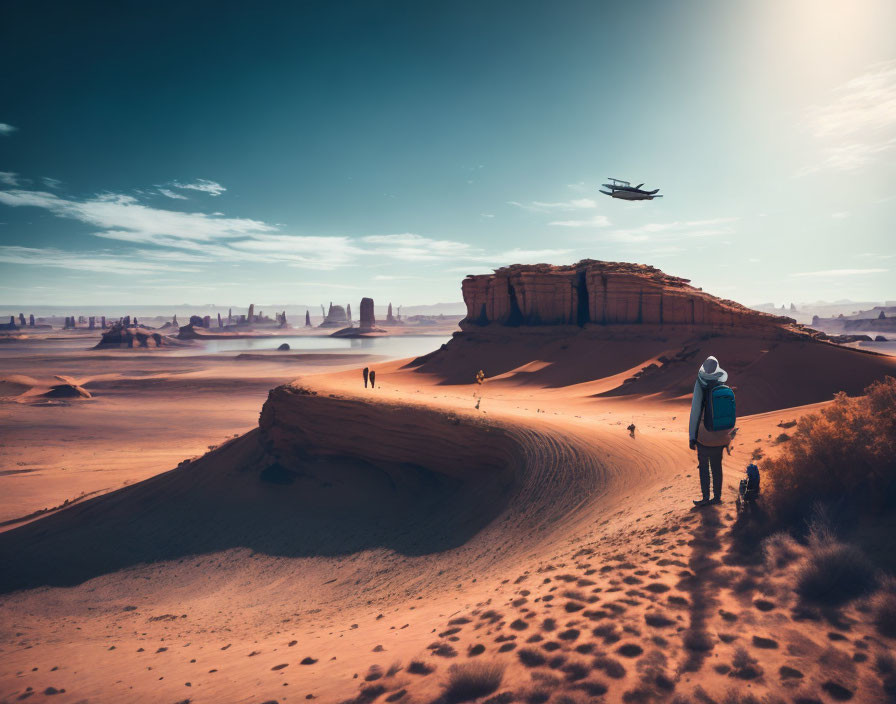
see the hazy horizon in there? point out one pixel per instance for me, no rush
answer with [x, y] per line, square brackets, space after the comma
[211, 152]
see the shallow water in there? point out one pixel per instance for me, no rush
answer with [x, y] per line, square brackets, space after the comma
[397, 347]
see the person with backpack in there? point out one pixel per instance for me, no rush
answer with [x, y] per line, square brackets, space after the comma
[713, 415]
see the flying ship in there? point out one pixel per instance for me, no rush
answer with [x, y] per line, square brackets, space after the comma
[626, 191]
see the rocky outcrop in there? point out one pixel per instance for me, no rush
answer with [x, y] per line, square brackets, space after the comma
[67, 390]
[596, 292]
[391, 319]
[880, 323]
[335, 317]
[367, 327]
[368, 317]
[120, 334]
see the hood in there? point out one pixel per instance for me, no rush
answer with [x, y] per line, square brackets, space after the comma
[710, 370]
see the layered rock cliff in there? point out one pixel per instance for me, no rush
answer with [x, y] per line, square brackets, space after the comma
[596, 292]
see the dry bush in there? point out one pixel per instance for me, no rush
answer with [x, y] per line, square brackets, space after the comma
[472, 680]
[781, 550]
[833, 572]
[883, 609]
[845, 451]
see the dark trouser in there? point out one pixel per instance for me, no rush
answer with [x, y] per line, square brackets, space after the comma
[707, 456]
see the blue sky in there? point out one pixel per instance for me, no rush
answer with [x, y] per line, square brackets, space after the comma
[303, 152]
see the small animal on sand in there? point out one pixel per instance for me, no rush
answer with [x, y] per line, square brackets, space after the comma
[372, 378]
[366, 372]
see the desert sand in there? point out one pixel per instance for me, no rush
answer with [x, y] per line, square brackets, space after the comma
[363, 544]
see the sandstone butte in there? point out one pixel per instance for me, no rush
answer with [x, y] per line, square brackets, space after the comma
[598, 292]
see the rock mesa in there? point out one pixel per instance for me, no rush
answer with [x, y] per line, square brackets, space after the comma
[596, 292]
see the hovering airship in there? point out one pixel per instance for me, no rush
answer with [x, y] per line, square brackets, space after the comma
[626, 191]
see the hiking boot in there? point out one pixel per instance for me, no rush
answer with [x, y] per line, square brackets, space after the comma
[716, 500]
[701, 502]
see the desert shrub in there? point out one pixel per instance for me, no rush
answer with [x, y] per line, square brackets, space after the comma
[833, 572]
[780, 550]
[845, 451]
[472, 680]
[883, 609]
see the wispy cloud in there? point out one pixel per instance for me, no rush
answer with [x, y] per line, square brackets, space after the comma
[858, 125]
[670, 231]
[412, 247]
[51, 182]
[867, 102]
[538, 206]
[594, 221]
[836, 273]
[163, 239]
[171, 194]
[389, 277]
[311, 252]
[122, 217]
[9, 178]
[79, 261]
[532, 256]
[849, 157]
[6, 129]
[203, 185]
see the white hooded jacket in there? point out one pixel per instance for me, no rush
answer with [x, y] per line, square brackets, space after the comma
[710, 371]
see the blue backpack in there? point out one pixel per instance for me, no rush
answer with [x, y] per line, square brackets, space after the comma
[719, 410]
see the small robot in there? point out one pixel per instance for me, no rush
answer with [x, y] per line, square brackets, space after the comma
[749, 489]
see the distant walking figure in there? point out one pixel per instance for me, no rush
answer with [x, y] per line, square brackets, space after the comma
[365, 372]
[711, 424]
[372, 378]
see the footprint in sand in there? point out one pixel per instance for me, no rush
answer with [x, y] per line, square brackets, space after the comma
[630, 650]
[531, 658]
[612, 667]
[418, 667]
[837, 691]
[790, 673]
[766, 643]
[658, 620]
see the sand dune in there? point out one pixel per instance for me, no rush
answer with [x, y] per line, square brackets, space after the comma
[776, 369]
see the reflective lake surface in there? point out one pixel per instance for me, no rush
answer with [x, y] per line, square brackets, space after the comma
[396, 347]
